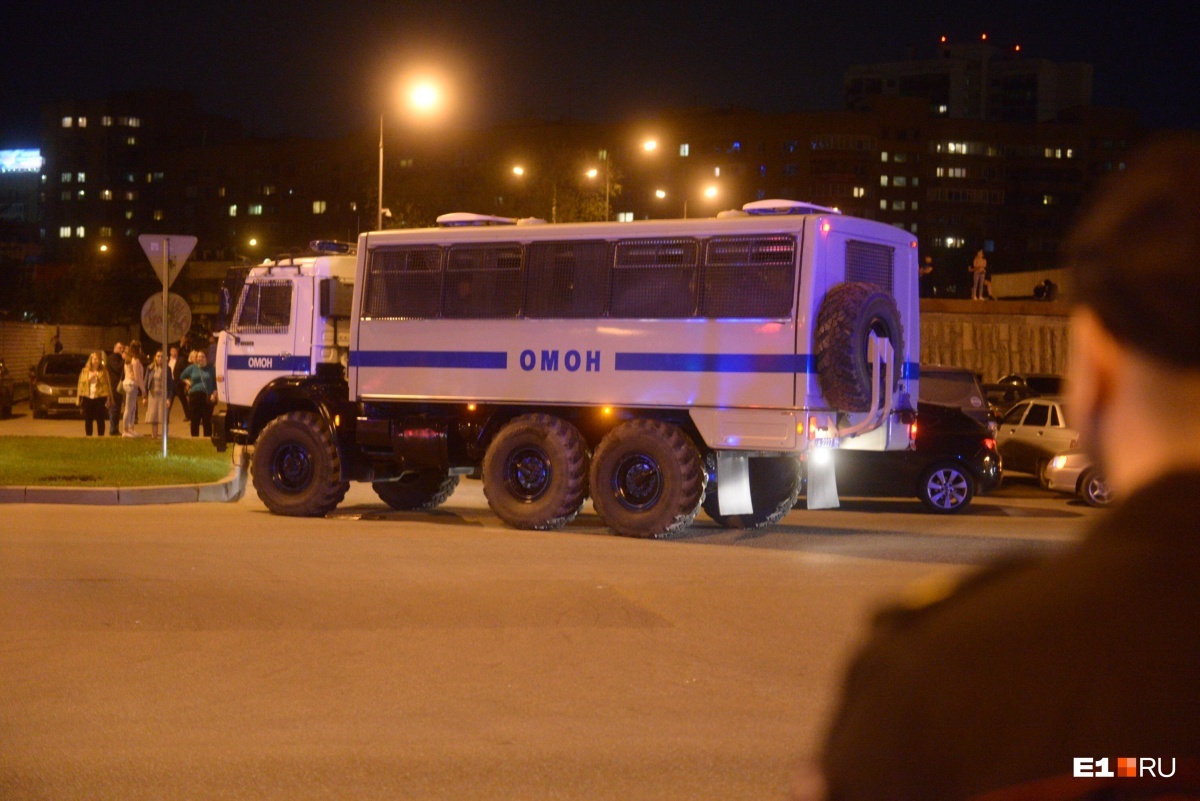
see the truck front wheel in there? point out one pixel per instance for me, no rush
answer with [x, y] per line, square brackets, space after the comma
[297, 470]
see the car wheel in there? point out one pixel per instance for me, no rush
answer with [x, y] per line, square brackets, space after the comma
[1093, 488]
[774, 486]
[946, 488]
[1041, 469]
[535, 472]
[647, 479]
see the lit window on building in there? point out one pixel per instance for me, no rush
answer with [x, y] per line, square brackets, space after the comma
[883, 180]
[353, 206]
[883, 204]
[67, 177]
[1048, 200]
[233, 210]
[131, 140]
[899, 205]
[158, 214]
[106, 122]
[129, 214]
[80, 194]
[106, 194]
[319, 206]
[131, 195]
[900, 180]
[254, 209]
[860, 191]
[268, 190]
[883, 156]
[684, 149]
[625, 216]
[66, 195]
[79, 231]
[81, 177]
[64, 232]
[82, 122]
[68, 122]
[717, 172]
[900, 158]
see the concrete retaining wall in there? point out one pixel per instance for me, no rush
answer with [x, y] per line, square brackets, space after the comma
[23, 344]
[996, 337]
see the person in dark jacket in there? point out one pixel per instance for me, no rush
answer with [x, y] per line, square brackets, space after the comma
[116, 376]
[1019, 682]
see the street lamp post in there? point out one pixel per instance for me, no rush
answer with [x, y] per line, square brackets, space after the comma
[423, 97]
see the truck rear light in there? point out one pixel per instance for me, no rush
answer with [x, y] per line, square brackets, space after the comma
[990, 444]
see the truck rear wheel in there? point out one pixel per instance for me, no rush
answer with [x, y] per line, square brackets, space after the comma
[850, 313]
[647, 479]
[297, 470]
[417, 491]
[774, 487]
[535, 472]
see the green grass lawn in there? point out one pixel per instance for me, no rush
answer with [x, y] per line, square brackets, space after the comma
[108, 462]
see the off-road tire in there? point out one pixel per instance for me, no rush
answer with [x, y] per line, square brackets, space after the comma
[946, 488]
[535, 472]
[848, 315]
[418, 491]
[775, 483]
[297, 468]
[647, 479]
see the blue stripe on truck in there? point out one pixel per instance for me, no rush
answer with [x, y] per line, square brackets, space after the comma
[468, 359]
[715, 362]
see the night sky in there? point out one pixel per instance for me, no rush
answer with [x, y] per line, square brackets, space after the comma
[323, 69]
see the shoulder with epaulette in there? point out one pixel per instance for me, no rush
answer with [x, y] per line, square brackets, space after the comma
[933, 593]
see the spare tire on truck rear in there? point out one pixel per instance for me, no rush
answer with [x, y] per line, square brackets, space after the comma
[850, 313]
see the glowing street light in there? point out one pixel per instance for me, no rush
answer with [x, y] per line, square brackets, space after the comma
[650, 145]
[424, 98]
[518, 171]
[660, 194]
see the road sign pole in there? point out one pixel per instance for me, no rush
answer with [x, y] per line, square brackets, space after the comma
[166, 350]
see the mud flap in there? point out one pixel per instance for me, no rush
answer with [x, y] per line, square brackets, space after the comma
[822, 480]
[733, 479]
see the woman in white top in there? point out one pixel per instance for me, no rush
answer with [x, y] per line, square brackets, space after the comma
[135, 386]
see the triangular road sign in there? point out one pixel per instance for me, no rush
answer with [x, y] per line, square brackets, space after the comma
[167, 254]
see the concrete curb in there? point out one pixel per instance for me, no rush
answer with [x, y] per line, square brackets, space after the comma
[229, 489]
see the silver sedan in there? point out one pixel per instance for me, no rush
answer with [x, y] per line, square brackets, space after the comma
[1074, 473]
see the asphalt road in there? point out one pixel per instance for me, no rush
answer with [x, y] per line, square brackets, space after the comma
[216, 651]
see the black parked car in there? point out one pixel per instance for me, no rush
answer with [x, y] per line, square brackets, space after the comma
[954, 459]
[55, 384]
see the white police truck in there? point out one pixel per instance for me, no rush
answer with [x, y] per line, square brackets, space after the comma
[657, 367]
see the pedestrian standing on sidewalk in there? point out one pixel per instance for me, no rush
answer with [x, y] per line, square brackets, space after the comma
[135, 387]
[200, 380]
[116, 379]
[979, 271]
[94, 394]
[158, 383]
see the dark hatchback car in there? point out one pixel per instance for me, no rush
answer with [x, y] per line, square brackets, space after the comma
[954, 458]
[55, 385]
